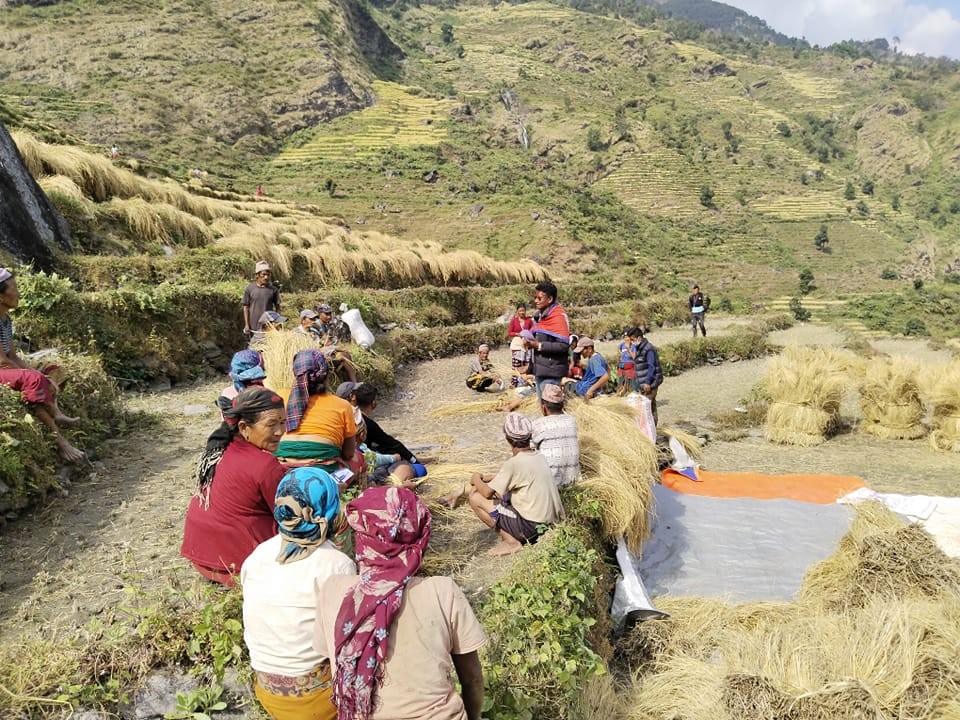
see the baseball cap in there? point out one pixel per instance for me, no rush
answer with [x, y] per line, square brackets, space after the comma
[262, 266]
[324, 308]
[272, 317]
[585, 342]
[345, 389]
[308, 313]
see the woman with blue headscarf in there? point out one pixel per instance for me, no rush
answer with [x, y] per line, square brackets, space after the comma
[279, 579]
[246, 370]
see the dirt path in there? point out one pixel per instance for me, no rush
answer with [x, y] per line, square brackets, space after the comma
[71, 561]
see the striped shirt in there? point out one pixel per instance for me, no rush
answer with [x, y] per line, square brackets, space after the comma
[6, 334]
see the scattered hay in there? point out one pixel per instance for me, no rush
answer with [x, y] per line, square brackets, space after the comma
[619, 465]
[880, 557]
[941, 389]
[690, 443]
[482, 406]
[890, 399]
[806, 386]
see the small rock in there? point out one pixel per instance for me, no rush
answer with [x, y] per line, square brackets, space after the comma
[386, 327]
[159, 695]
[734, 358]
[4, 488]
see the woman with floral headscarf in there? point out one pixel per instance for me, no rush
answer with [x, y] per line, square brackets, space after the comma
[321, 429]
[237, 477]
[279, 579]
[385, 664]
[246, 370]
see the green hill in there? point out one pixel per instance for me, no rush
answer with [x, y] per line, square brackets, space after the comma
[588, 142]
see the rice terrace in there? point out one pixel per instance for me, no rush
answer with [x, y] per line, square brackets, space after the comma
[777, 537]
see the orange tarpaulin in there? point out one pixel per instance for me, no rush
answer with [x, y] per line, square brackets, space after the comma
[821, 489]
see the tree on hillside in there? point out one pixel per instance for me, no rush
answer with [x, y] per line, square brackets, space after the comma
[594, 141]
[821, 240]
[446, 33]
[848, 192]
[867, 187]
[806, 281]
[706, 196]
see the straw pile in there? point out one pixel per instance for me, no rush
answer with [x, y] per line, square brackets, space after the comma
[890, 652]
[690, 443]
[619, 466]
[806, 386]
[483, 406]
[278, 350]
[942, 392]
[890, 399]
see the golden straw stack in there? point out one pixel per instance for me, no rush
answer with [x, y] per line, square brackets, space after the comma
[279, 347]
[942, 392]
[890, 399]
[619, 467]
[806, 386]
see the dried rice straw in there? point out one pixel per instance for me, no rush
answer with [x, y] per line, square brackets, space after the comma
[890, 399]
[690, 443]
[941, 389]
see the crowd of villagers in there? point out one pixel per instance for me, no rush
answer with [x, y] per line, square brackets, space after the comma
[334, 636]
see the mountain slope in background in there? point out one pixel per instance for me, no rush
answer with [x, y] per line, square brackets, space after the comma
[722, 18]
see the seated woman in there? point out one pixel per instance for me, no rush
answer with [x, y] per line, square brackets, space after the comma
[482, 375]
[372, 627]
[237, 478]
[279, 579]
[36, 388]
[246, 370]
[321, 429]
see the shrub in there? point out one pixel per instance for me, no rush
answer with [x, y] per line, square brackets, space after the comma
[848, 192]
[806, 281]
[706, 196]
[915, 326]
[798, 310]
[888, 274]
[539, 619]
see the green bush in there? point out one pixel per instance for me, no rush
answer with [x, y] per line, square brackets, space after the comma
[688, 354]
[888, 274]
[798, 310]
[539, 619]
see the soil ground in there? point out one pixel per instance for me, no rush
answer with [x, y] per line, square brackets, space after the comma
[71, 560]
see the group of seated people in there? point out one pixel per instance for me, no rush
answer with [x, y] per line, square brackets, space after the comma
[324, 631]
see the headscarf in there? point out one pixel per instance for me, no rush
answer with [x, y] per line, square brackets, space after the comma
[308, 502]
[251, 401]
[309, 368]
[391, 528]
[246, 368]
[482, 347]
[5, 274]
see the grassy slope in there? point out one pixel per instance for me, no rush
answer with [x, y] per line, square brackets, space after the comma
[665, 122]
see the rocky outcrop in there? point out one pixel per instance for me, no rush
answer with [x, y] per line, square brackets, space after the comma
[30, 229]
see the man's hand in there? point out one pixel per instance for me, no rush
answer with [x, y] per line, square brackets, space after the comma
[589, 394]
[645, 388]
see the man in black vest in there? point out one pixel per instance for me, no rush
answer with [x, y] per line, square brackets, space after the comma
[648, 369]
[698, 308]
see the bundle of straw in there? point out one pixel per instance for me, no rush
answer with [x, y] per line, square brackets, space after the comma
[942, 392]
[278, 350]
[689, 442]
[619, 465]
[890, 399]
[806, 386]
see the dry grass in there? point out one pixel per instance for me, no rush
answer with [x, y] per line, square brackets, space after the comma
[806, 386]
[690, 443]
[278, 350]
[941, 389]
[874, 634]
[619, 465]
[890, 399]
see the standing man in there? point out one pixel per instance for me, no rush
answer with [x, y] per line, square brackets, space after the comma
[698, 309]
[649, 371]
[597, 374]
[260, 296]
[549, 338]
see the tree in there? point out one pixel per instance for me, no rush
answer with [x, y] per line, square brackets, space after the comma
[594, 143]
[446, 33]
[806, 281]
[799, 311]
[706, 196]
[867, 187]
[821, 240]
[848, 192]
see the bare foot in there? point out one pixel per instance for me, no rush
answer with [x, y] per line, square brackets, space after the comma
[504, 548]
[450, 501]
[68, 452]
[65, 419]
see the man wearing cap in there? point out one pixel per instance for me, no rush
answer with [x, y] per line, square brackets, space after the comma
[596, 375]
[269, 321]
[308, 325]
[260, 296]
[555, 437]
[521, 500]
[333, 332]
